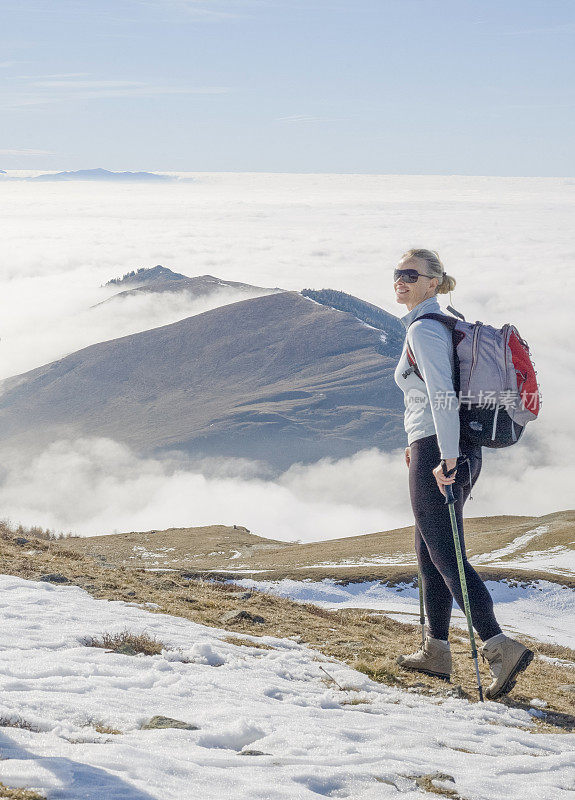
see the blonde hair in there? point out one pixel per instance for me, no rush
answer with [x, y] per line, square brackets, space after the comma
[434, 268]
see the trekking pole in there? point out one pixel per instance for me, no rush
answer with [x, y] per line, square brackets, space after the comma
[450, 501]
[421, 607]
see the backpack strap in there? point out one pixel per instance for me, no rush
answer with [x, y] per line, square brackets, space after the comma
[412, 365]
[456, 336]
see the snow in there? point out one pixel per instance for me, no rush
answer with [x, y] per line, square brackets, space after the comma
[402, 559]
[382, 334]
[143, 552]
[540, 609]
[558, 560]
[237, 570]
[242, 699]
[512, 547]
[159, 569]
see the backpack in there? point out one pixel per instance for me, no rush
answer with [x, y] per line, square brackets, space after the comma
[494, 380]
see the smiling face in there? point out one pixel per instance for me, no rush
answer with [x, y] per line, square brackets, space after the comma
[411, 294]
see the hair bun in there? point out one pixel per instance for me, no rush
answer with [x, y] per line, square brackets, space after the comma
[447, 284]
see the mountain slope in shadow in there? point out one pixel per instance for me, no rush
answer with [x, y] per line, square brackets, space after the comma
[278, 378]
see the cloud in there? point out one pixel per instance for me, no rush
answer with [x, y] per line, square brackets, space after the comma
[298, 119]
[500, 238]
[26, 153]
[76, 84]
[564, 27]
[85, 89]
[62, 309]
[66, 87]
[148, 91]
[98, 486]
[206, 10]
[226, 10]
[54, 75]
[94, 486]
[24, 100]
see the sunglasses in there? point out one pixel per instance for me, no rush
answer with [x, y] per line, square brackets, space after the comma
[409, 275]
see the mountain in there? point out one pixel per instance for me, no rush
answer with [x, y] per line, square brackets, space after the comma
[102, 175]
[145, 276]
[278, 378]
[160, 279]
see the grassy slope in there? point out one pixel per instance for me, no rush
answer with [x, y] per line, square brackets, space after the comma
[361, 639]
[217, 547]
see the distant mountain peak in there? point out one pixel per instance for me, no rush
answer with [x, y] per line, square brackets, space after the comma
[145, 275]
[100, 174]
[160, 279]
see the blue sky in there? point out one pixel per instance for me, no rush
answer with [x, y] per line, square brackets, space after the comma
[372, 86]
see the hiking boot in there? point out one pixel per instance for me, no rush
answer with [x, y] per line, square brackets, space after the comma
[433, 658]
[506, 658]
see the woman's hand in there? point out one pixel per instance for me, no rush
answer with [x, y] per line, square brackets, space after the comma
[440, 477]
[407, 455]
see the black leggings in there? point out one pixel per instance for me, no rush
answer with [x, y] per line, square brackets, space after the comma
[434, 543]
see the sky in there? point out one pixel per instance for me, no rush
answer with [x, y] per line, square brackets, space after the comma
[373, 86]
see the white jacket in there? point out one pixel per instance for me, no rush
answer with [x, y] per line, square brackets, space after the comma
[430, 405]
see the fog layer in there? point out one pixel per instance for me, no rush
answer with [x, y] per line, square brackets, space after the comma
[508, 242]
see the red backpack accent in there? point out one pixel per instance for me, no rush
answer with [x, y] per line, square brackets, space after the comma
[525, 371]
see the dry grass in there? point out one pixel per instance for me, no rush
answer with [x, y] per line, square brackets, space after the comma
[35, 532]
[362, 639]
[241, 640]
[17, 722]
[427, 783]
[354, 701]
[231, 548]
[103, 728]
[118, 642]
[6, 793]
[199, 549]
[553, 650]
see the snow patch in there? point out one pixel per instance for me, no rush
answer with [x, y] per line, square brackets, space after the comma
[516, 544]
[204, 653]
[277, 699]
[540, 609]
[233, 737]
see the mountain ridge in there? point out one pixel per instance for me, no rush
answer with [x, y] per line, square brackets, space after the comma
[100, 174]
[161, 280]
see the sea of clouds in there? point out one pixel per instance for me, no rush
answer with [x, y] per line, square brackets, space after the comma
[507, 241]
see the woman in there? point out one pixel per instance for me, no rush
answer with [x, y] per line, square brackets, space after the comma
[432, 426]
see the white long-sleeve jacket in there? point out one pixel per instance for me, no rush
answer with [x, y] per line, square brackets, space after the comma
[430, 405]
